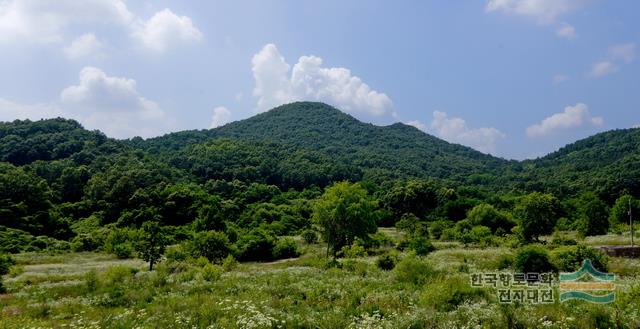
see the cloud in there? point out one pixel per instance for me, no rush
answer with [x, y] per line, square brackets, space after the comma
[566, 31]
[571, 117]
[626, 52]
[623, 52]
[165, 28]
[221, 116]
[455, 130]
[110, 104]
[45, 21]
[544, 11]
[559, 78]
[636, 126]
[86, 45]
[48, 22]
[601, 69]
[276, 83]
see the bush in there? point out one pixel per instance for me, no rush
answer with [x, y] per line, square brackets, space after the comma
[414, 270]
[486, 215]
[6, 262]
[386, 262]
[84, 242]
[447, 293]
[176, 253]
[229, 263]
[478, 234]
[355, 250]
[213, 245]
[256, 245]
[285, 248]
[123, 250]
[421, 245]
[533, 259]
[437, 228]
[211, 272]
[570, 258]
[309, 236]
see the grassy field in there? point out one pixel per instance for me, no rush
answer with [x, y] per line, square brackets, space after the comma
[93, 290]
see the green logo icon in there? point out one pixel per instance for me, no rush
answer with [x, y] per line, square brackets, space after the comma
[588, 284]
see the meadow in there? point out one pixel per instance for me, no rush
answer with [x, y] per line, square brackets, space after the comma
[98, 290]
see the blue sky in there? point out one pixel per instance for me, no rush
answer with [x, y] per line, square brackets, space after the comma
[516, 78]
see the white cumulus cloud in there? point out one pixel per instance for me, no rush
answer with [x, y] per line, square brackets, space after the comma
[165, 28]
[276, 83]
[566, 31]
[85, 45]
[110, 104]
[221, 116]
[542, 10]
[571, 117]
[455, 130]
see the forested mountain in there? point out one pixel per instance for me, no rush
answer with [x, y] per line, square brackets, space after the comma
[320, 133]
[607, 163]
[263, 173]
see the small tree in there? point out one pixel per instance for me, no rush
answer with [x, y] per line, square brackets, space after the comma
[537, 214]
[213, 245]
[345, 212]
[151, 243]
[620, 210]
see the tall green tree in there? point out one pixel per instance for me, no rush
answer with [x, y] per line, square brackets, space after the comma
[537, 214]
[594, 215]
[620, 210]
[345, 212]
[152, 242]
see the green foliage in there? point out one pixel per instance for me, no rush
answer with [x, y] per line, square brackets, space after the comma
[421, 245]
[488, 216]
[345, 212]
[354, 250]
[285, 248]
[620, 210]
[387, 261]
[570, 258]
[537, 214]
[309, 236]
[211, 272]
[6, 261]
[255, 245]
[212, 245]
[414, 270]
[594, 215]
[533, 259]
[415, 197]
[152, 243]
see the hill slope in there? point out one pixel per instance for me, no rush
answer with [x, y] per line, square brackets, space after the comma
[393, 151]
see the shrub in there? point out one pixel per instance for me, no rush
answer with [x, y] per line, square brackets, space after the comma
[421, 245]
[309, 236]
[256, 245]
[486, 215]
[84, 242]
[386, 262]
[570, 258]
[414, 270]
[447, 293]
[176, 253]
[533, 259]
[437, 228]
[285, 248]
[123, 250]
[478, 234]
[211, 272]
[229, 263]
[6, 261]
[354, 250]
[213, 245]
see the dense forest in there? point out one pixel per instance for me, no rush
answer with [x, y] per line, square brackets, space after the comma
[246, 185]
